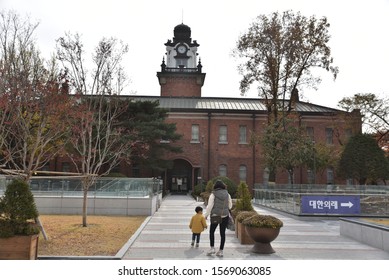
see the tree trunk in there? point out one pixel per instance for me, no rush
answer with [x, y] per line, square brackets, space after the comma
[291, 175]
[84, 207]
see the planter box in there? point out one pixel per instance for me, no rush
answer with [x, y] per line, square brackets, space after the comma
[243, 237]
[236, 228]
[19, 248]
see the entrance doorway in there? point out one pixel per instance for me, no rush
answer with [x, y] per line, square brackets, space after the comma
[180, 177]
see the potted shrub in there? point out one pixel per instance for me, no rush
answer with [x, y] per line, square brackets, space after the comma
[18, 230]
[240, 232]
[243, 203]
[263, 229]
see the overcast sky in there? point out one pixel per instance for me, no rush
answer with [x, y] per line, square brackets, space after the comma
[359, 37]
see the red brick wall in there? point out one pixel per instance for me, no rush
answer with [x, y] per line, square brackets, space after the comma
[233, 154]
[209, 153]
[183, 86]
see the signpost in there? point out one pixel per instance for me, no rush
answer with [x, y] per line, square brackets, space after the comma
[330, 204]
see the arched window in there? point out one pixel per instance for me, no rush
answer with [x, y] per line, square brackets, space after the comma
[223, 170]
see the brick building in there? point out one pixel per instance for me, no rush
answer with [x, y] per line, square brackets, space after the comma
[216, 131]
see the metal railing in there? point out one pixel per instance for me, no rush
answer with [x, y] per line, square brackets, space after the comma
[181, 70]
[72, 186]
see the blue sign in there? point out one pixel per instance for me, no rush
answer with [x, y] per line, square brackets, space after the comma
[328, 204]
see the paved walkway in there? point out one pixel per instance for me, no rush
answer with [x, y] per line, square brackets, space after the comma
[166, 235]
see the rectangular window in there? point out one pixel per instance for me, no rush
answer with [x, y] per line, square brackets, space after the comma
[310, 133]
[135, 171]
[65, 167]
[46, 167]
[181, 63]
[195, 133]
[242, 134]
[243, 173]
[329, 136]
[310, 176]
[223, 134]
[330, 176]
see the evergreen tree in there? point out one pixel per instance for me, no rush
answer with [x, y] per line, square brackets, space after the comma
[152, 136]
[363, 160]
[243, 203]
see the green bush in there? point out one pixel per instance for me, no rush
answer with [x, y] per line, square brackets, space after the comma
[198, 189]
[208, 190]
[209, 187]
[243, 202]
[18, 210]
[231, 186]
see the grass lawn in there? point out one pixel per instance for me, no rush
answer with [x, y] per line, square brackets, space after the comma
[104, 235]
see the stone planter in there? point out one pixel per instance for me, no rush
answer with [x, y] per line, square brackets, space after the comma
[262, 238]
[19, 247]
[243, 236]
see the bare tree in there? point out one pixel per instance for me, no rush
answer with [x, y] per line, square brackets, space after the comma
[97, 142]
[279, 51]
[374, 110]
[33, 103]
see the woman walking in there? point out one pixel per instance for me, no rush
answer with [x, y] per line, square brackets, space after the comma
[219, 204]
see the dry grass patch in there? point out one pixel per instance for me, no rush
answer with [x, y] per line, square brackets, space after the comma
[104, 236]
[378, 221]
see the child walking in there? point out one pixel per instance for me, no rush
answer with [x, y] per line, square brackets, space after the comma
[197, 225]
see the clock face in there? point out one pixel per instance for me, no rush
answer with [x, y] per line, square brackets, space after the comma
[181, 49]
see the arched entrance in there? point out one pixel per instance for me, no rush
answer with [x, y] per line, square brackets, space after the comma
[179, 178]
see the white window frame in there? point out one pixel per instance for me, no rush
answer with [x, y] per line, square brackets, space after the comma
[242, 134]
[223, 134]
[195, 135]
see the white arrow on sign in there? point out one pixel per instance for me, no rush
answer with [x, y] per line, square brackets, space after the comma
[348, 204]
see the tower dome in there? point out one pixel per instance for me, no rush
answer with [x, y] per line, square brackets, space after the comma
[182, 32]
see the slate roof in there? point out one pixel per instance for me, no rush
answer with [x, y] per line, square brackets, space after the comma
[224, 104]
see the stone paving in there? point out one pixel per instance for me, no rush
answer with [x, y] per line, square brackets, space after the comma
[166, 235]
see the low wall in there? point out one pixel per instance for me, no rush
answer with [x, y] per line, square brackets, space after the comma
[72, 205]
[364, 232]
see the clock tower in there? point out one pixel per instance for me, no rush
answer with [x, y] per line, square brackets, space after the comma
[181, 73]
